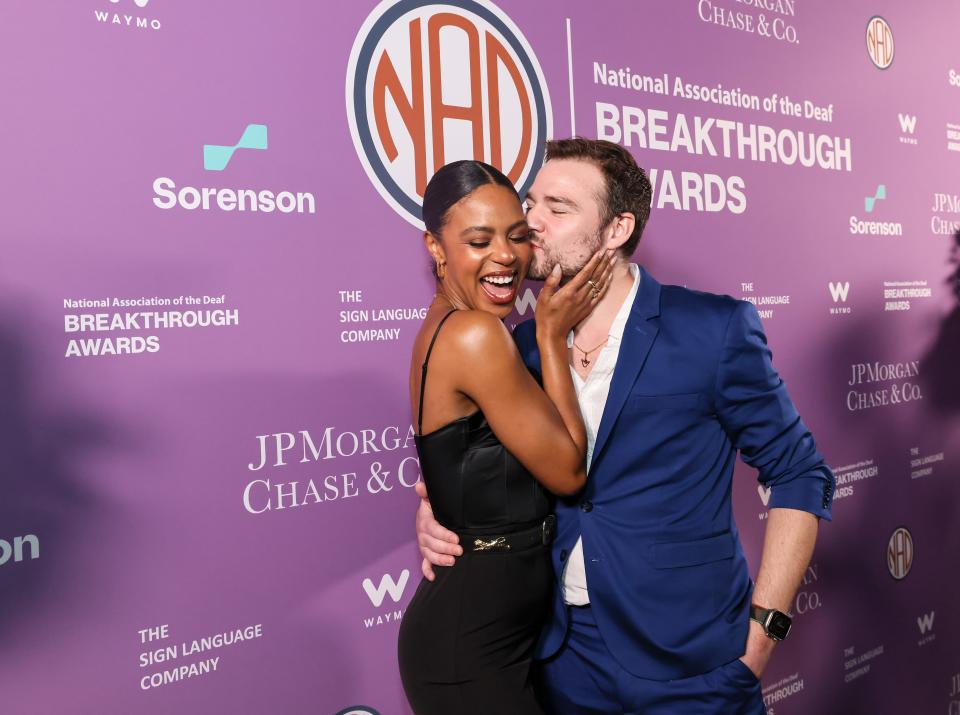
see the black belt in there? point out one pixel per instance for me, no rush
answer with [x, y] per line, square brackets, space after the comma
[539, 535]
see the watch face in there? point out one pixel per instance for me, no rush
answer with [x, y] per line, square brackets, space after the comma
[779, 625]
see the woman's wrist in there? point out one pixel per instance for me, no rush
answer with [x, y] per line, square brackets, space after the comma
[548, 336]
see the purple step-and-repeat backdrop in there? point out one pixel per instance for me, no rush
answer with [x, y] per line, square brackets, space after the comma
[212, 273]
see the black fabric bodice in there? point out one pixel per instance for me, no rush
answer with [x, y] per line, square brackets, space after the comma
[474, 483]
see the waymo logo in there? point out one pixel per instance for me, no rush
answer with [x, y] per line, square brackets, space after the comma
[15, 550]
[431, 82]
[526, 302]
[376, 594]
[764, 493]
[124, 20]
[908, 122]
[908, 125]
[925, 624]
[839, 291]
[216, 157]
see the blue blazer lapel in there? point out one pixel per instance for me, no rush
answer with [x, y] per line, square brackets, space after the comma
[638, 336]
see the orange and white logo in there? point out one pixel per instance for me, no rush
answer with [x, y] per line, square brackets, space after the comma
[433, 82]
[900, 553]
[880, 42]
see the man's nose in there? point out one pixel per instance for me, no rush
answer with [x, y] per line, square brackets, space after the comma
[533, 220]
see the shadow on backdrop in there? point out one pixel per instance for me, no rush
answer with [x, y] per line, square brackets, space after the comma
[41, 491]
[939, 365]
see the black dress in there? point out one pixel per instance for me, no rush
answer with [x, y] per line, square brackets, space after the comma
[467, 639]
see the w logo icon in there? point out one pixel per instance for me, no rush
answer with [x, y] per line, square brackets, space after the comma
[908, 122]
[764, 493]
[376, 594]
[526, 302]
[925, 622]
[839, 291]
[140, 3]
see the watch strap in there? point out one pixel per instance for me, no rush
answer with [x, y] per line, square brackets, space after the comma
[764, 616]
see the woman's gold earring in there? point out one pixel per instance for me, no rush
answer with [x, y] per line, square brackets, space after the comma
[441, 269]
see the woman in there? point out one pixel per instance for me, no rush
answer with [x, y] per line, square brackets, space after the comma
[491, 443]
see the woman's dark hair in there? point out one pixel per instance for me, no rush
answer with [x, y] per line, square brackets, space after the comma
[453, 182]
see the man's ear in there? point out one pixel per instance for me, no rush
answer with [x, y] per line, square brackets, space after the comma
[620, 229]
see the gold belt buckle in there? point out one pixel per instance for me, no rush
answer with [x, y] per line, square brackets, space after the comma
[481, 545]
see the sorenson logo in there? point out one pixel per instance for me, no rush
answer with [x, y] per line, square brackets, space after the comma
[125, 20]
[432, 82]
[871, 201]
[217, 157]
[859, 226]
[880, 42]
[15, 551]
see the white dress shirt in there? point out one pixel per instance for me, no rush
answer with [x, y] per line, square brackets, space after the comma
[592, 396]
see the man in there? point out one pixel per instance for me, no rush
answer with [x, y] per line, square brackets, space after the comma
[654, 610]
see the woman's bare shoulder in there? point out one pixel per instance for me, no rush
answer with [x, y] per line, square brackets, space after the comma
[478, 334]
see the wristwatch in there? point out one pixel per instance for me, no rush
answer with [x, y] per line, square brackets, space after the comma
[776, 624]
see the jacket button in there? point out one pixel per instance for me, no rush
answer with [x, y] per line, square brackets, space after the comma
[563, 555]
[586, 506]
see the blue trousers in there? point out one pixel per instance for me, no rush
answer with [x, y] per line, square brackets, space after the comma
[585, 679]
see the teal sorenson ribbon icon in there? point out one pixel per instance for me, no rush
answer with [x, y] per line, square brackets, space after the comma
[871, 201]
[216, 157]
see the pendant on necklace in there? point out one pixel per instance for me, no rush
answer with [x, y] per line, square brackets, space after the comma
[584, 361]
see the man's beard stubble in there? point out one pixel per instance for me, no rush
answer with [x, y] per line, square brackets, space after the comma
[570, 260]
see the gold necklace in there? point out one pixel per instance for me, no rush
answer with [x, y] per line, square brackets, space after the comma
[584, 360]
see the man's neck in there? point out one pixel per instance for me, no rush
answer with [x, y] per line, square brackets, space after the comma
[596, 326]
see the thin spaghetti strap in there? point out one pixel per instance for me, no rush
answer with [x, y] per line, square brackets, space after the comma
[423, 370]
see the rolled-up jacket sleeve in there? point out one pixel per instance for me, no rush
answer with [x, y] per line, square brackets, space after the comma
[760, 419]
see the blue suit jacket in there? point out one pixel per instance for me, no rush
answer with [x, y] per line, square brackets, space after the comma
[667, 577]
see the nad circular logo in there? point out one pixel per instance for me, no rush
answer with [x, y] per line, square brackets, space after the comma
[900, 553]
[433, 82]
[358, 710]
[880, 42]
